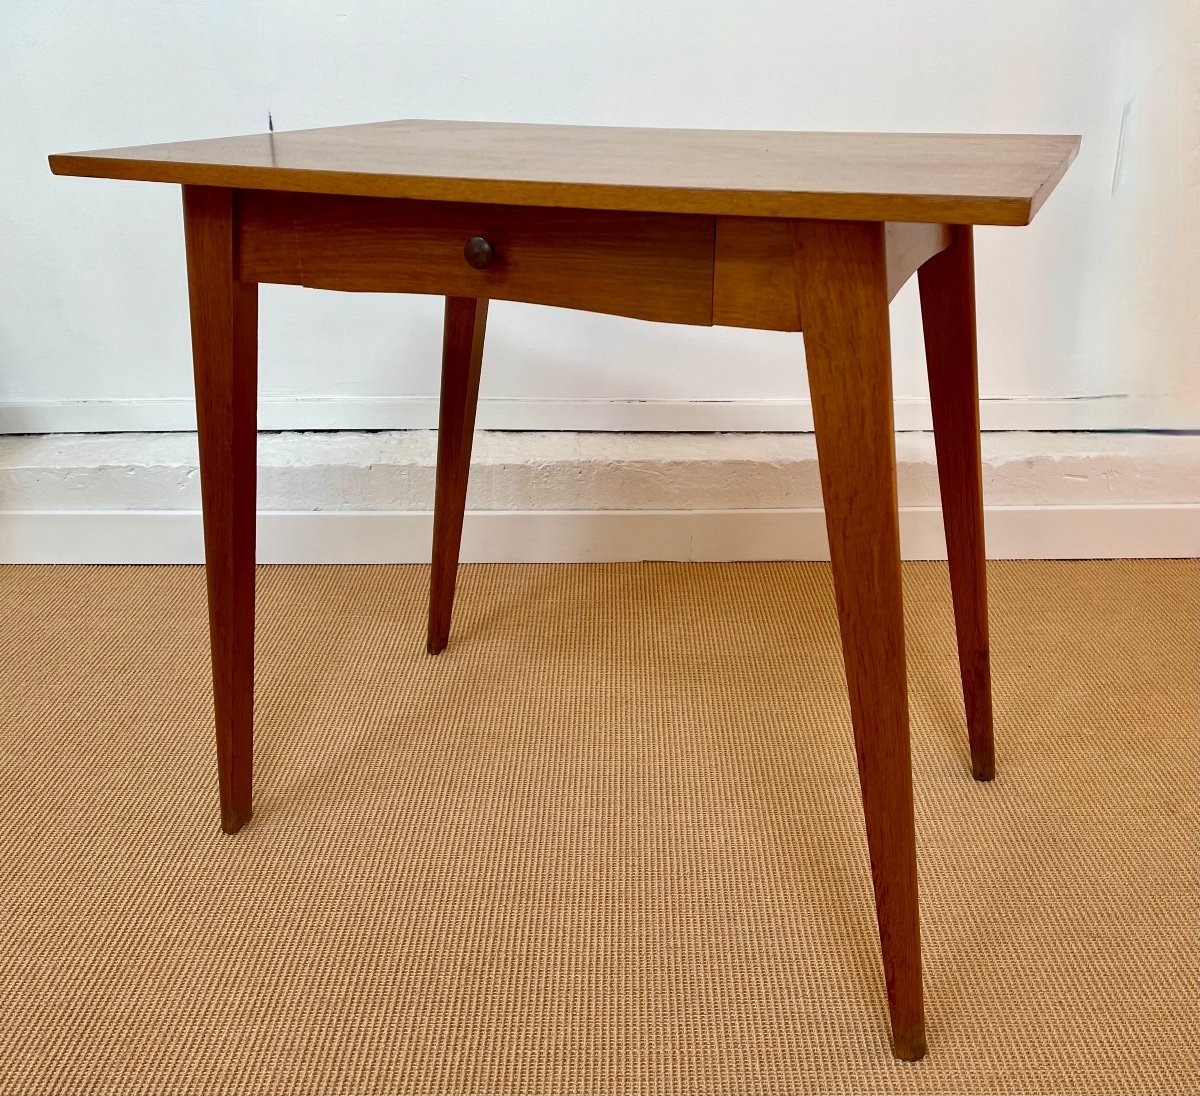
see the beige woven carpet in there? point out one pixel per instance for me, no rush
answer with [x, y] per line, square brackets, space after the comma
[609, 842]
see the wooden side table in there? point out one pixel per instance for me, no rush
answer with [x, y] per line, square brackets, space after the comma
[812, 232]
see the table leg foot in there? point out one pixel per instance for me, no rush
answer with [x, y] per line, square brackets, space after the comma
[947, 283]
[842, 287]
[234, 817]
[909, 1046]
[224, 315]
[462, 359]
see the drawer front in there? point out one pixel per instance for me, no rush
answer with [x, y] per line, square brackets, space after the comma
[651, 266]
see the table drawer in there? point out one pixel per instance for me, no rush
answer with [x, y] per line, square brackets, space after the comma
[653, 266]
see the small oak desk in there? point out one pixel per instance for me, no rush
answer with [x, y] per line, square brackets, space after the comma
[812, 232]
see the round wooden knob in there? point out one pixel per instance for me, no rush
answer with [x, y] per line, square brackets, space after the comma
[479, 253]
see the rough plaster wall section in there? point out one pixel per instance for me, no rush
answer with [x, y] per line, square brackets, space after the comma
[567, 471]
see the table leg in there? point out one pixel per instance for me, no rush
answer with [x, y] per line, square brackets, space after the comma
[947, 284]
[462, 358]
[842, 290]
[224, 314]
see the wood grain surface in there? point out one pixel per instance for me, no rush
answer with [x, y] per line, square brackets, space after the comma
[907, 247]
[947, 283]
[462, 359]
[650, 266]
[937, 177]
[841, 272]
[754, 283]
[224, 315]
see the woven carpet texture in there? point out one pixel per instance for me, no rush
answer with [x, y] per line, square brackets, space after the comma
[609, 842]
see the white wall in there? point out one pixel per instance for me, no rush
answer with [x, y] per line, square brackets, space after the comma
[1097, 299]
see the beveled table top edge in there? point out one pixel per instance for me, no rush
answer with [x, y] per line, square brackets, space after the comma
[747, 186]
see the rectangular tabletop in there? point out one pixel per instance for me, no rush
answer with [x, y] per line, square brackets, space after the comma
[998, 179]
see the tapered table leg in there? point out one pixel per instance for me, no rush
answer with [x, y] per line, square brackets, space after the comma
[462, 358]
[947, 284]
[224, 316]
[842, 290]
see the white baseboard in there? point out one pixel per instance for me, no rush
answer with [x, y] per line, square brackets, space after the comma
[1093, 412]
[590, 536]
